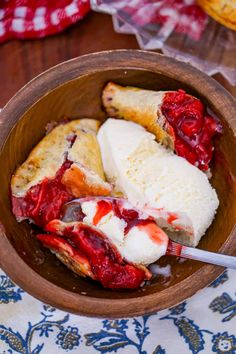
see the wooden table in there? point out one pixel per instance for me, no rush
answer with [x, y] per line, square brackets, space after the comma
[20, 61]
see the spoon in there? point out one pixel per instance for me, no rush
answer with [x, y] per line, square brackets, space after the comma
[173, 248]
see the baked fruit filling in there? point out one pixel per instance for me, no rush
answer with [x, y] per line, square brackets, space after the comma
[192, 128]
[178, 120]
[90, 252]
[43, 201]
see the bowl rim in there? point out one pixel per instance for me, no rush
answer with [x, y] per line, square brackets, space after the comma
[28, 95]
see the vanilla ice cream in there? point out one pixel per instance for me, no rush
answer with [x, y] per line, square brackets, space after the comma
[142, 244]
[152, 177]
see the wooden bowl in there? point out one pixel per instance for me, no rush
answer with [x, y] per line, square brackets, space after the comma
[73, 89]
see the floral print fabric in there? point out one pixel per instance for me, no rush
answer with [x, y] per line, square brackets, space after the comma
[205, 323]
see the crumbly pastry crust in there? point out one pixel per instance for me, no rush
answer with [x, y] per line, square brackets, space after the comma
[139, 106]
[49, 154]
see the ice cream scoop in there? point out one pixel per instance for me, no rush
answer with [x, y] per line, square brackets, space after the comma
[148, 174]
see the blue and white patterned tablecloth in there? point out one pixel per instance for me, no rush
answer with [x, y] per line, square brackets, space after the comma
[205, 323]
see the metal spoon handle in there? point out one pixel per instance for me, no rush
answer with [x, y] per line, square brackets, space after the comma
[223, 260]
[209, 257]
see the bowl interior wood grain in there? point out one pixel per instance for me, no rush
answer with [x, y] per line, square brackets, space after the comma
[73, 90]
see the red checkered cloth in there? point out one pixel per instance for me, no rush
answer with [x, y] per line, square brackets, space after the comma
[38, 18]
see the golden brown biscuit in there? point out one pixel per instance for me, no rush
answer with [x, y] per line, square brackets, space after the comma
[75, 141]
[140, 106]
[223, 11]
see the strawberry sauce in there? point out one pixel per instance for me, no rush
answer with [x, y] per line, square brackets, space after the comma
[172, 217]
[103, 208]
[154, 232]
[191, 127]
[43, 202]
